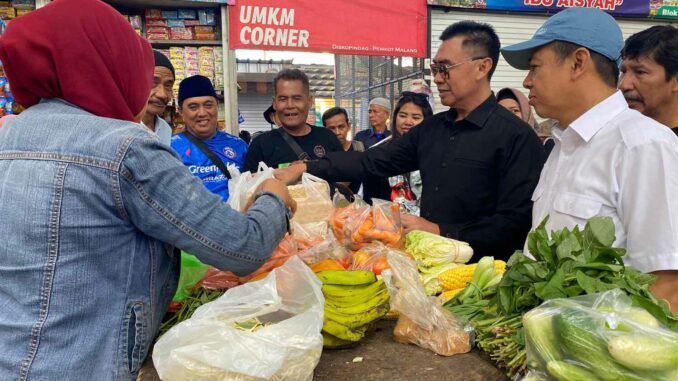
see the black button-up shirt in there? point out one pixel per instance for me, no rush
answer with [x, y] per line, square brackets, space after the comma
[478, 174]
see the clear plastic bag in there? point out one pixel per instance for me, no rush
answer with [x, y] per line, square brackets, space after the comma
[345, 211]
[311, 242]
[313, 200]
[241, 186]
[598, 337]
[381, 222]
[316, 243]
[423, 321]
[208, 346]
[371, 258]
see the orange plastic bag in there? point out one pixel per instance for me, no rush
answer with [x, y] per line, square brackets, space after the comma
[311, 242]
[218, 280]
[284, 251]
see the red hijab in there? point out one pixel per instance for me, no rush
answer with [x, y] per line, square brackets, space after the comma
[82, 51]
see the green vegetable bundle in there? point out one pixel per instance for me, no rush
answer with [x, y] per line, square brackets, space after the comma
[566, 264]
[601, 337]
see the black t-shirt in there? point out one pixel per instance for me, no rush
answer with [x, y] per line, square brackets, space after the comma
[272, 149]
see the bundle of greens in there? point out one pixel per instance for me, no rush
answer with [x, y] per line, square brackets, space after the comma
[191, 303]
[566, 264]
[474, 300]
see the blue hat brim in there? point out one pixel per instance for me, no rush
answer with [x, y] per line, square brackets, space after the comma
[518, 55]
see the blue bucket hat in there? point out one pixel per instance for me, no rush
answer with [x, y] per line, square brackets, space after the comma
[587, 27]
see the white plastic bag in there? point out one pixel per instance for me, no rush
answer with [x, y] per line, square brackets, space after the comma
[313, 200]
[241, 186]
[209, 347]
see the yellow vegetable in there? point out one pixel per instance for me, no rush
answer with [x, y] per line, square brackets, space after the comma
[449, 294]
[459, 277]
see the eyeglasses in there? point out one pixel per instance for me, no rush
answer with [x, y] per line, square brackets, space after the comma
[444, 68]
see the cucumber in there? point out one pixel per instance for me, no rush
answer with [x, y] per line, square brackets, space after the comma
[579, 335]
[540, 337]
[562, 371]
[643, 352]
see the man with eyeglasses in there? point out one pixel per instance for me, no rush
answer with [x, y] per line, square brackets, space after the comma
[479, 163]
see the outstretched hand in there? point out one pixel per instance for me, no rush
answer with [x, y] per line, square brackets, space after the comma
[291, 174]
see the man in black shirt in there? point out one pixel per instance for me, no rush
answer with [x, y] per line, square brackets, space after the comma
[295, 139]
[479, 163]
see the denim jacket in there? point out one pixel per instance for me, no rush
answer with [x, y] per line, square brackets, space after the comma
[89, 210]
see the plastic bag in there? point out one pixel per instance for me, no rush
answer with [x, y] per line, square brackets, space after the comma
[313, 200]
[284, 251]
[242, 186]
[345, 211]
[315, 243]
[381, 222]
[311, 242]
[191, 272]
[208, 346]
[371, 258]
[215, 279]
[423, 321]
[598, 337]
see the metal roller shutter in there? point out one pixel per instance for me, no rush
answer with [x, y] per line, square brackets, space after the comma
[511, 28]
[252, 106]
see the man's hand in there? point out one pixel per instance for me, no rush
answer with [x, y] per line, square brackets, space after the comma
[411, 222]
[291, 174]
[665, 287]
[277, 188]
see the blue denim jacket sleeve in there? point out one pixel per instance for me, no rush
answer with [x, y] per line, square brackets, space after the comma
[160, 197]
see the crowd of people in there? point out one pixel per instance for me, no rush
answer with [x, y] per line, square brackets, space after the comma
[96, 194]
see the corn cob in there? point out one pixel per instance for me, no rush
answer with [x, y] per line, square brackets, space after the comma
[459, 277]
[449, 294]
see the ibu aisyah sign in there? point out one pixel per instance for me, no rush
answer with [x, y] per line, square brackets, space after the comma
[629, 8]
[360, 27]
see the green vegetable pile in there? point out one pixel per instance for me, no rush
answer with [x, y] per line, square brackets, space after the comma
[566, 264]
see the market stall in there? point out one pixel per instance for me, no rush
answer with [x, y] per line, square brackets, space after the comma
[404, 307]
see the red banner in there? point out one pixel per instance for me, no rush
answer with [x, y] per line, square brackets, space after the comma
[355, 27]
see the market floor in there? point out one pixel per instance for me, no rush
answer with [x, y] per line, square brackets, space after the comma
[384, 359]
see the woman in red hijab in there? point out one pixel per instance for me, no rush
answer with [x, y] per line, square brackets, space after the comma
[86, 54]
[92, 203]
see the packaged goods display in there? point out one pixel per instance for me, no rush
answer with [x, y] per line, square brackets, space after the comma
[6, 98]
[178, 24]
[10, 10]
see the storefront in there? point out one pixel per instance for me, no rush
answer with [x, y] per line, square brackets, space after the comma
[515, 22]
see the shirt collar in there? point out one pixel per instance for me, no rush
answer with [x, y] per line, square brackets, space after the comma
[479, 115]
[386, 132]
[589, 123]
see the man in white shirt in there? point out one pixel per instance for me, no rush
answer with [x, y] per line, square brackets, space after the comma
[608, 160]
[161, 95]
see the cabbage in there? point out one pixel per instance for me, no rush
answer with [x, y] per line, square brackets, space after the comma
[431, 250]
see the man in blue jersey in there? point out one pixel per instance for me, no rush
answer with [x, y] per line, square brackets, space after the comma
[202, 148]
